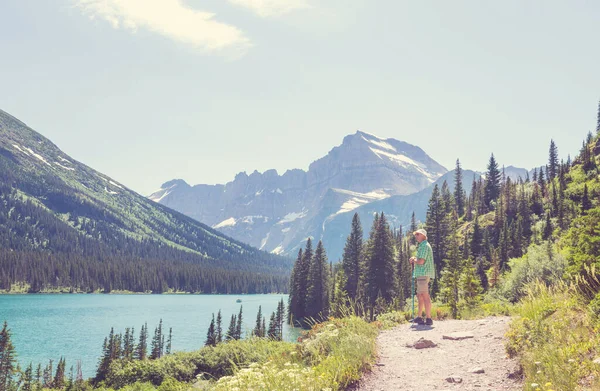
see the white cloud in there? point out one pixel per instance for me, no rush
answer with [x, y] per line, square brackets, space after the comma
[266, 8]
[169, 18]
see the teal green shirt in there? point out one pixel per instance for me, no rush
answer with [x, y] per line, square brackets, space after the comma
[424, 251]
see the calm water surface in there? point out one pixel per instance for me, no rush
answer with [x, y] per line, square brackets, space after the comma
[74, 325]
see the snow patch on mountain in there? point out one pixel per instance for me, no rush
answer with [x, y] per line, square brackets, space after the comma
[288, 218]
[230, 222]
[115, 184]
[263, 242]
[65, 167]
[157, 198]
[109, 191]
[40, 157]
[278, 250]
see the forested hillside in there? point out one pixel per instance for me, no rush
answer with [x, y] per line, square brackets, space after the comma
[65, 226]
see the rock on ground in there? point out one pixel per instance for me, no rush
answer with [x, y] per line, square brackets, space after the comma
[405, 368]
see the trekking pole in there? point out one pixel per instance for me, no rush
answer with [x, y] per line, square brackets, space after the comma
[412, 291]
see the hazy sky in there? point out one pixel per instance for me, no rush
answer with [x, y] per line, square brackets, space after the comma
[150, 90]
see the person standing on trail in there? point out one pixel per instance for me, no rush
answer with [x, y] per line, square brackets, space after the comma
[423, 272]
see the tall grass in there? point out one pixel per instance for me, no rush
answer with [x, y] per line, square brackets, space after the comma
[556, 339]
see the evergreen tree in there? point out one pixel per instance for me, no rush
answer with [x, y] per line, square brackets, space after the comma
[450, 281]
[492, 183]
[211, 335]
[459, 191]
[231, 330]
[279, 319]
[413, 228]
[219, 328]
[59, 378]
[7, 358]
[295, 298]
[170, 340]
[38, 376]
[380, 276]
[128, 344]
[317, 295]
[258, 331]
[586, 204]
[27, 379]
[141, 350]
[553, 161]
[470, 287]
[598, 120]
[476, 240]
[238, 325]
[109, 354]
[157, 343]
[547, 234]
[272, 332]
[352, 257]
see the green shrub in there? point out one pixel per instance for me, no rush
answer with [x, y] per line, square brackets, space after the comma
[540, 263]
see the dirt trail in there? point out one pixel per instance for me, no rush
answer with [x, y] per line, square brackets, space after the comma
[405, 368]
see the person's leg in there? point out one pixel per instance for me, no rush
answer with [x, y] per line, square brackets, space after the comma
[421, 299]
[427, 303]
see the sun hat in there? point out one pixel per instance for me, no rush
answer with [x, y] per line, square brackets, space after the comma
[421, 231]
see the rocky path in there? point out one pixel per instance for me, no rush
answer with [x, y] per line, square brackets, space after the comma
[474, 360]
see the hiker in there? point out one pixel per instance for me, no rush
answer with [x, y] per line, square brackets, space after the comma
[423, 272]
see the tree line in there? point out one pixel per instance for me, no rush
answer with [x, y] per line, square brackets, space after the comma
[474, 232]
[215, 334]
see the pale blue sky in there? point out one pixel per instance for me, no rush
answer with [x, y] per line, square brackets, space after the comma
[150, 90]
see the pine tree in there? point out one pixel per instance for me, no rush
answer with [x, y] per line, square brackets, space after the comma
[380, 276]
[219, 328]
[27, 379]
[231, 330]
[141, 350]
[238, 325]
[413, 228]
[553, 161]
[459, 191]
[170, 340]
[470, 287]
[586, 204]
[128, 344]
[295, 298]
[7, 358]
[279, 318]
[476, 240]
[598, 120]
[492, 183]
[258, 331]
[157, 343]
[547, 234]
[317, 295]
[38, 376]
[211, 335]
[59, 378]
[352, 257]
[450, 281]
[272, 332]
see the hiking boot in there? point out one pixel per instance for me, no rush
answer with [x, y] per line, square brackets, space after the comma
[417, 320]
[429, 322]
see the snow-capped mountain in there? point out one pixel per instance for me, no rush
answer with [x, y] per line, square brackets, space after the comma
[277, 213]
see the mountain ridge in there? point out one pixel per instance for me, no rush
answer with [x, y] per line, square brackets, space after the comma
[102, 217]
[277, 212]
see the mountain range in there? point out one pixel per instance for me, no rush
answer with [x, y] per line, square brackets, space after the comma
[277, 213]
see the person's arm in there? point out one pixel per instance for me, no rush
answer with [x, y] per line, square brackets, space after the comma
[420, 261]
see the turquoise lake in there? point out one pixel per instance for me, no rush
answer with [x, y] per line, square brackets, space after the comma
[74, 325]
